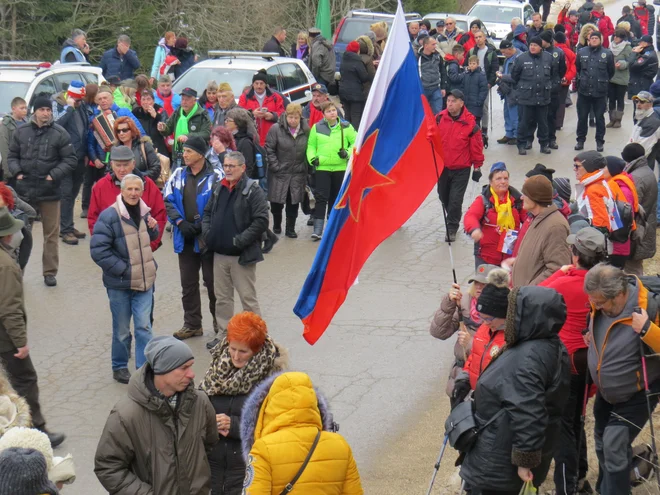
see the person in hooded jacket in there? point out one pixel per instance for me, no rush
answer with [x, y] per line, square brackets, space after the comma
[522, 393]
[616, 89]
[163, 48]
[354, 76]
[241, 361]
[645, 15]
[603, 22]
[643, 66]
[562, 204]
[520, 38]
[454, 69]
[282, 419]
[238, 122]
[184, 55]
[644, 246]
[322, 59]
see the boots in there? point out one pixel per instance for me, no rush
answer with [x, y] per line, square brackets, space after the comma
[618, 116]
[277, 222]
[291, 228]
[318, 229]
[612, 119]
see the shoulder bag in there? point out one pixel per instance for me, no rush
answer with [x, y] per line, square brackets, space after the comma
[289, 486]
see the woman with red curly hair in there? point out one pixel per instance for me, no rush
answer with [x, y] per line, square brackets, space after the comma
[242, 360]
[146, 159]
[19, 209]
[222, 141]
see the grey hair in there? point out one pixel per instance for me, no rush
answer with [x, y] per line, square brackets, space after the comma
[77, 33]
[607, 280]
[240, 116]
[128, 178]
[236, 155]
[124, 38]
[517, 21]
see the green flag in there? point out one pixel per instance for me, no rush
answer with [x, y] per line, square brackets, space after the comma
[323, 18]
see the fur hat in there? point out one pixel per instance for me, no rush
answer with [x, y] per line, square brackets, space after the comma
[539, 189]
[493, 300]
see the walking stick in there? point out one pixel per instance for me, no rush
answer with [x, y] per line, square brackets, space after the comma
[437, 463]
[648, 407]
[585, 399]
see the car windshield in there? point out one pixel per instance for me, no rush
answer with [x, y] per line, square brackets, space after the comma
[198, 77]
[354, 27]
[495, 13]
[10, 90]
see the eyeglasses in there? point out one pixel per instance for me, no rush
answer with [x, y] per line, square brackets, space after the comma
[576, 166]
[123, 130]
[487, 319]
[231, 167]
[448, 24]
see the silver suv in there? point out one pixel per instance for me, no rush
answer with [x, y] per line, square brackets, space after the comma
[28, 79]
[497, 14]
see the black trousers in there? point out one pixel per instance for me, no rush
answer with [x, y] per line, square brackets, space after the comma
[353, 112]
[561, 111]
[532, 116]
[23, 377]
[291, 209]
[328, 185]
[92, 176]
[586, 104]
[553, 109]
[451, 190]
[189, 264]
[546, 9]
[616, 96]
[70, 187]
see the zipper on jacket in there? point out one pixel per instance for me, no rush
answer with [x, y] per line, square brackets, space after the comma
[144, 275]
[600, 356]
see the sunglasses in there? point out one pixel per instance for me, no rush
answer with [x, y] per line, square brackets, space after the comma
[123, 130]
[487, 319]
[576, 166]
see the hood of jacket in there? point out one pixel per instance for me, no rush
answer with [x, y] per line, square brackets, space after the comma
[534, 313]
[321, 40]
[11, 122]
[282, 401]
[368, 43]
[70, 42]
[520, 29]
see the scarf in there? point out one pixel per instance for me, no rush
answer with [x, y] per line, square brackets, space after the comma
[474, 314]
[617, 48]
[223, 378]
[300, 52]
[182, 123]
[505, 220]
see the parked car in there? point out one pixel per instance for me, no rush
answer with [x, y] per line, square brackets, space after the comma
[497, 14]
[28, 79]
[289, 76]
[356, 23]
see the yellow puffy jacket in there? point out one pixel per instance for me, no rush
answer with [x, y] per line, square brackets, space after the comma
[279, 423]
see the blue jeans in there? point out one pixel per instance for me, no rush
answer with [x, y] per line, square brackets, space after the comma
[434, 97]
[123, 305]
[510, 119]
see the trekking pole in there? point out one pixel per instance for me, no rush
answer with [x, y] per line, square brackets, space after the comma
[437, 463]
[582, 421]
[490, 109]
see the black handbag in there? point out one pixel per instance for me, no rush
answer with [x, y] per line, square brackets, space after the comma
[289, 486]
[461, 426]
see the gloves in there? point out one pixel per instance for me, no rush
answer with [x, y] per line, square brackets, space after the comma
[460, 392]
[315, 162]
[188, 230]
[476, 174]
[343, 154]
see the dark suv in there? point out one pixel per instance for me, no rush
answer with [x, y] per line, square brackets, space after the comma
[356, 23]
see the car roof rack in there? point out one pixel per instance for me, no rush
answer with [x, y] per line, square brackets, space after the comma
[237, 54]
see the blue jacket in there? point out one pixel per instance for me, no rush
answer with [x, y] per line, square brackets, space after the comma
[70, 48]
[176, 101]
[518, 43]
[173, 196]
[123, 250]
[475, 89]
[113, 65]
[94, 149]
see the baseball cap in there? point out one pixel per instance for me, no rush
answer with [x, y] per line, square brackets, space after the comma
[505, 44]
[573, 12]
[588, 241]
[457, 93]
[189, 92]
[114, 80]
[644, 96]
[481, 273]
[440, 23]
[320, 88]
[647, 38]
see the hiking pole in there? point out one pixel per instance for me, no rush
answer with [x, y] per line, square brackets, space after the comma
[585, 399]
[437, 463]
[648, 407]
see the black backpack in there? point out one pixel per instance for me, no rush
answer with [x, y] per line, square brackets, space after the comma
[626, 214]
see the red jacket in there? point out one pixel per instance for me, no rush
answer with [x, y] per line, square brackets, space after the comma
[642, 16]
[478, 218]
[462, 144]
[572, 32]
[273, 103]
[571, 286]
[485, 344]
[468, 41]
[571, 71]
[105, 192]
[605, 27]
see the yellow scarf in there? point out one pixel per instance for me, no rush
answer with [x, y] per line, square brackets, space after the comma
[505, 219]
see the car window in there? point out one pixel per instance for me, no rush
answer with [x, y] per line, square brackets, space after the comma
[90, 78]
[495, 13]
[273, 76]
[46, 86]
[198, 78]
[65, 78]
[462, 25]
[354, 27]
[10, 90]
[292, 76]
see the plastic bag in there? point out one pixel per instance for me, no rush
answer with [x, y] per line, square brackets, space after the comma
[528, 489]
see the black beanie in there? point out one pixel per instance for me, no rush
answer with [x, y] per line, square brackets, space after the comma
[24, 472]
[540, 169]
[615, 165]
[632, 151]
[197, 144]
[560, 38]
[546, 36]
[537, 41]
[560, 28]
[591, 160]
[494, 298]
[260, 76]
[42, 102]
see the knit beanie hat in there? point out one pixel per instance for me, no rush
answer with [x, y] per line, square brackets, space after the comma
[165, 354]
[540, 169]
[42, 102]
[563, 187]
[560, 37]
[591, 160]
[559, 28]
[76, 90]
[615, 165]
[632, 151]
[23, 472]
[197, 144]
[260, 76]
[353, 46]
[596, 34]
[539, 189]
[655, 89]
[537, 41]
[546, 36]
[494, 298]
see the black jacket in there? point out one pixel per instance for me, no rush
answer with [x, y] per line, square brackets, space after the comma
[558, 66]
[353, 78]
[491, 63]
[527, 385]
[226, 459]
[150, 126]
[532, 76]
[274, 46]
[245, 144]
[454, 73]
[595, 68]
[76, 123]
[250, 217]
[146, 161]
[37, 152]
[187, 58]
[475, 89]
[643, 68]
[635, 26]
[532, 32]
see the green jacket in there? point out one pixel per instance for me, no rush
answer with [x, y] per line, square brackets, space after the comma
[198, 125]
[325, 142]
[622, 73]
[13, 321]
[7, 128]
[118, 98]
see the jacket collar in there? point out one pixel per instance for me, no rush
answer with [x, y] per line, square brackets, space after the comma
[591, 177]
[545, 213]
[123, 212]
[251, 94]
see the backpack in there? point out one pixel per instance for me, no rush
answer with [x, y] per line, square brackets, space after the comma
[258, 149]
[516, 205]
[625, 214]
